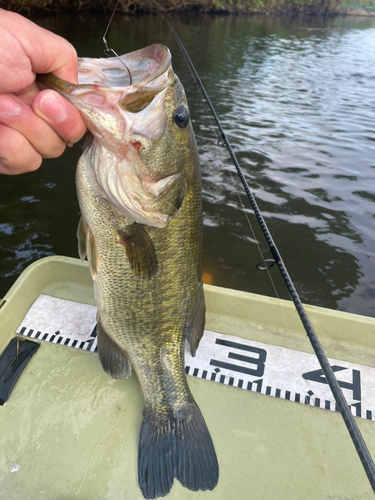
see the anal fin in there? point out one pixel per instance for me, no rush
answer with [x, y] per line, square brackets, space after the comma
[195, 325]
[113, 359]
[140, 250]
[86, 246]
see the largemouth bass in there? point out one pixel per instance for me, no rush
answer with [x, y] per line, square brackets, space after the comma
[139, 189]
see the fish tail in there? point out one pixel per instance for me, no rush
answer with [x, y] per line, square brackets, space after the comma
[178, 446]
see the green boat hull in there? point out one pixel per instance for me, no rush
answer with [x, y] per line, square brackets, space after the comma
[70, 431]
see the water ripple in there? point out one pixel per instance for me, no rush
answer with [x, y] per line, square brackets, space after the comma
[297, 100]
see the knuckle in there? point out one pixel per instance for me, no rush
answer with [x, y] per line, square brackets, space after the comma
[73, 129]
[70, 51]
[16, 153]
[45, 140]
[12, 144]
[37, 128]
[6, 169]
[58, 151]
[54, 150]
[73, 52]
[76, 134]
[34, 164]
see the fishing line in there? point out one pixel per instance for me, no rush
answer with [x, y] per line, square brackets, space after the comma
[267, 267]
[267, 264]
[108, 50]
[220, 143]
[342, 405]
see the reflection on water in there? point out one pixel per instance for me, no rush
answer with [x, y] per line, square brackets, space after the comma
[297, 99]
[38, 212]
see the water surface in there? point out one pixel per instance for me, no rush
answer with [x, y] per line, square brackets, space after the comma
[297, 100]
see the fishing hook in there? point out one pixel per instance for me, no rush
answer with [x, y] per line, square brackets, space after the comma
[108, 51]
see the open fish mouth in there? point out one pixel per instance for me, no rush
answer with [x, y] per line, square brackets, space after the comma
[137, 158]
[108, 103]
[145, 65]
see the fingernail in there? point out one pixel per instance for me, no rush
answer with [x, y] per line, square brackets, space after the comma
[9, 106]
[52, 108]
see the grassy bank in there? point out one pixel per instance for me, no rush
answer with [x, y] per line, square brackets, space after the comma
[291, 7]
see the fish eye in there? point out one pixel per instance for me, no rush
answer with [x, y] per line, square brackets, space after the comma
[181, 117]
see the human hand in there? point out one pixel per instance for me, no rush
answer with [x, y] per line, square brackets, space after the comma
[34, 124]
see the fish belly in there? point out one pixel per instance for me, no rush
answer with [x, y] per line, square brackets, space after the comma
[143, 322]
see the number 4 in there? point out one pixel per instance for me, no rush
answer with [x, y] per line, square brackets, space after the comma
[354, 386]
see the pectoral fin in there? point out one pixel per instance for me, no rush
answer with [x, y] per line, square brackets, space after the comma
[195, 326]
[86, 246]
[113, 359]
[91, 254]
[81, 235]
[140, 251]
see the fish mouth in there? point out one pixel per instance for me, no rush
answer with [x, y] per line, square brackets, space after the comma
[144, 65]
[122, 114]
[99, 74]
[109, 105]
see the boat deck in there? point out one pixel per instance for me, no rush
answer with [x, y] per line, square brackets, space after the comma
[70, 431]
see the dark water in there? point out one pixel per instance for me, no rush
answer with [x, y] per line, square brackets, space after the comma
[297, 99]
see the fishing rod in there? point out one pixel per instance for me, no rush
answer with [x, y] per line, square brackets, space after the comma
[354, 432]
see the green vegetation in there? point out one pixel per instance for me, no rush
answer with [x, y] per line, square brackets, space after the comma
[292, 7]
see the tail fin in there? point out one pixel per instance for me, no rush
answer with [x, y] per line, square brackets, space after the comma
[178, 446]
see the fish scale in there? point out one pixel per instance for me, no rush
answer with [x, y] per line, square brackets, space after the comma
[139, 190]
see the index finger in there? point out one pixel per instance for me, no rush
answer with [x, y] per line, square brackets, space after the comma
[37, 51]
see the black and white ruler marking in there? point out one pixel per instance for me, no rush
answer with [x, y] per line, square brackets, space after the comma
[280, 372]
[253, 366]
[61, 322]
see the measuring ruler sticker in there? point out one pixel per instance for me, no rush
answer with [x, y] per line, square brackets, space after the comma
[281, 373]
[252, 366]
[57, 338]
[62, 322]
